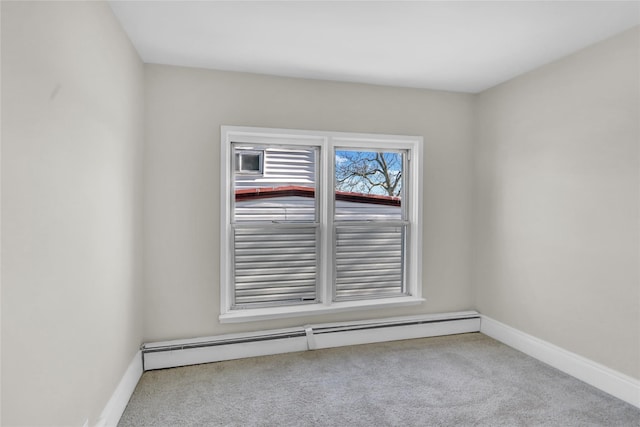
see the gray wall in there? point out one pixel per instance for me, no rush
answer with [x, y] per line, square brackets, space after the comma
[185, 109]
[556, 203]
[71, 213]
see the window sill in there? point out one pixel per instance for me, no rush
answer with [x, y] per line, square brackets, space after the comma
[257, 314]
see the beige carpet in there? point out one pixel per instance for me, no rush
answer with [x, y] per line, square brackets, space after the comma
[461, 380]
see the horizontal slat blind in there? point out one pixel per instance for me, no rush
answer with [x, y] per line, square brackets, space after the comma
[275, 264]
[369, 261]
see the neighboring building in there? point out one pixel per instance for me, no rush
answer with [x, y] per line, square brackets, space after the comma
[296, 203]
[279, 185]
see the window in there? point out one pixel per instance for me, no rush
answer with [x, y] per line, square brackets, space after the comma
[316, 222]
[248, 161]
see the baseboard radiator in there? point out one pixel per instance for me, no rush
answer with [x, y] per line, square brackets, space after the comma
[171, 354]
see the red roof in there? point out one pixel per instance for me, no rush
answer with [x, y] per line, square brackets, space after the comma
[300, 191]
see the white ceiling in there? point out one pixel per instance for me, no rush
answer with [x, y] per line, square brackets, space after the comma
[458, 46]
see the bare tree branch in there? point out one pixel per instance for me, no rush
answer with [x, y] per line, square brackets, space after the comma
[364, 172]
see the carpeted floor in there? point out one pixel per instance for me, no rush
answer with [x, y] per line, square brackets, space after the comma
[461, 380]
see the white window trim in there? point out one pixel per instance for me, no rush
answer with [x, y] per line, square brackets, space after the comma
[325, 140]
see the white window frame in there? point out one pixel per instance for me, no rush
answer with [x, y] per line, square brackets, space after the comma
[327, 142]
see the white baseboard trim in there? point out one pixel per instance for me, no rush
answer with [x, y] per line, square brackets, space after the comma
[116, 405]
[171, 354]
[606, 379]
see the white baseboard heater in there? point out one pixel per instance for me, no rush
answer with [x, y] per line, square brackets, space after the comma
[169, 354]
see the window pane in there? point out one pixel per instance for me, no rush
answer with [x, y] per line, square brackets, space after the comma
[275, 265]
[284, 192]
[369, 261]
[368, 185]
[248, 161]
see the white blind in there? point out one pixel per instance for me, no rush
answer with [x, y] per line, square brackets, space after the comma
[369, 261]
[275, 264]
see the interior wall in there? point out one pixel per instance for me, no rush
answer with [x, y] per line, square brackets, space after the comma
[557, 203]
[185, 109]
[72, 112]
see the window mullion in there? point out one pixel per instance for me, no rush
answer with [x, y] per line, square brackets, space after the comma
[326, 219]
